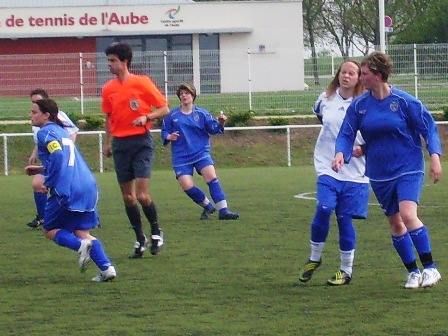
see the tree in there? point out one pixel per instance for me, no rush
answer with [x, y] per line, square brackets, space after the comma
[355, 22]
[338, 18]
[430, 24]
[312, 27]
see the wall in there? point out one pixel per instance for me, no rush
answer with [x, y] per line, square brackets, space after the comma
[277, 27]
[243, 25]
[27, 66]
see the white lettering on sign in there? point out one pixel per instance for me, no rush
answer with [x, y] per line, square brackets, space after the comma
[105, 18]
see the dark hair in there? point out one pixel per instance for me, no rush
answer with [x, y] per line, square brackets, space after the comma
[187, 87]
[379, 63]
[122, 50]
[40, 92]
[48, 105]
[334, 84]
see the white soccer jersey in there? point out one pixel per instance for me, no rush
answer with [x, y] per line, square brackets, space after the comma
[70, 126]
[332, 111]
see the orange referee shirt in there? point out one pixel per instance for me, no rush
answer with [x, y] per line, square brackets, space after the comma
[125, 101]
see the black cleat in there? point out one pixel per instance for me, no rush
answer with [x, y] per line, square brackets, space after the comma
[228, 215]
[156, 243]
[139, 249]
[339, 279]
[208, 210]
[35, 223]
[309, 269]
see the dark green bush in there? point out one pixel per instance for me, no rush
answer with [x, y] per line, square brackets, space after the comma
[445, 112]
[239, 119]
[87, 122]
[278, 122]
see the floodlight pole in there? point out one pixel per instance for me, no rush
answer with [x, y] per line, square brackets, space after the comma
[382, 25]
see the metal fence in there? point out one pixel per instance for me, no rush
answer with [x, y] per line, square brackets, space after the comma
[76, 79]
[421, 70]
[288, 145]
[283, 141]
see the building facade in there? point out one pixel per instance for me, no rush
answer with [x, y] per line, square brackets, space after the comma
[268, 35]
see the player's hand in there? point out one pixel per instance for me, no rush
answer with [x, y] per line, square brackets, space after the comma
[222, 118]
[173, 136]
[140, 121]
[107, 152]
[32, 159]
[33, 170]
[435, 170]
[338, 162]
[357, 152]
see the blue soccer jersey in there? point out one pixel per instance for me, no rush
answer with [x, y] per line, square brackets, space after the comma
[391, 128]
[67, 175]
[193, 143]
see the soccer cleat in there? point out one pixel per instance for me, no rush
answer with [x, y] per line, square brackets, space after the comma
[105, 276]
[35, 223]
[339, 279]
[156, 243]
[208, 210]
[309, 269]
[228, 215]
[139, 248]
[430, 276]
[84, 254]
[414, 280]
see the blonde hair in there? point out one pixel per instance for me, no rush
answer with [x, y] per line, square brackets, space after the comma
[334, 84]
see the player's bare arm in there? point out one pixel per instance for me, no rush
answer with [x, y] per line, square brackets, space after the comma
[157, 113]
[33, 170]
[436, 168]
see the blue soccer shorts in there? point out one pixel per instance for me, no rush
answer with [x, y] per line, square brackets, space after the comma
[189, 168]
[58, 217]
[404, 188]
[351, 198]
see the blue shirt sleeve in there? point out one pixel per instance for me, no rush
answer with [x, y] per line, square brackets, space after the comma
[347, 134]
[212, 125]
[54, 164]
[166, 130]
[423, 123]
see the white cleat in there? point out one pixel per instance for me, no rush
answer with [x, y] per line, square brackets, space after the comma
[105, 276]
[156, 243]
[430, 277]
[414, 280]
[84, 254]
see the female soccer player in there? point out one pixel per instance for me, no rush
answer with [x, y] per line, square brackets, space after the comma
[392, 123]
[70, 210]
[188, 129]
[40, 195]
[346, 193]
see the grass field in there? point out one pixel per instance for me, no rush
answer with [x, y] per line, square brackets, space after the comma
[214, 277]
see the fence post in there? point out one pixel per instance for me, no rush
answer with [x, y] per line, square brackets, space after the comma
[5, 151]
[165, 67]
[81, 82]
[100, 146]
[288, 144]
[249, 79]
[332, 63]
[415, 71]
